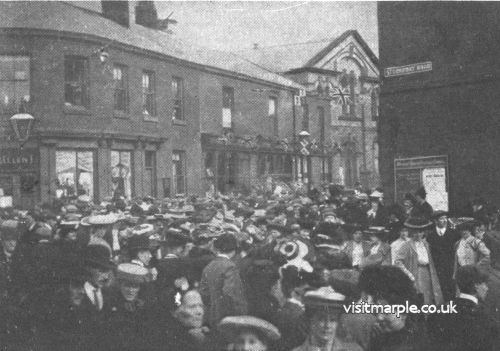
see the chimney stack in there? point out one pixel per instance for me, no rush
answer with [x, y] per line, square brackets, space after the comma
[116, 11]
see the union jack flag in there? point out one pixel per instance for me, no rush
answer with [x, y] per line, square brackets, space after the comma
[340, 96]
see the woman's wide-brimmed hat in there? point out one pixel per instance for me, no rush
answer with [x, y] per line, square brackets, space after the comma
[417, 223]
[233, 325]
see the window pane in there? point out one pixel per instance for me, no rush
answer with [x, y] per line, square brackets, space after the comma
[85, 173]
[14, 84]
[121, 172]
[272, 107]
[75, 74]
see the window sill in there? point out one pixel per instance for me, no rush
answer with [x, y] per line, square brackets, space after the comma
[179, 122]
[150, 118]
[121, 114]
[349, 119]
[76, 110]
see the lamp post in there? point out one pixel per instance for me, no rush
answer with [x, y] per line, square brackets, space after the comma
[22, 123]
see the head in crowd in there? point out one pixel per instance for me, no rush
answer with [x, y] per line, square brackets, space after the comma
[471, 280]
[226, 244]
[189, 309]
[139, 247]
[295, 282]
[440, 219]
[404, 233]
[479, 229]
[324, 307]
[175, 242]
[248, 333]
[130, 278]
[9, 234]
[466, 230]
[420, 195]
[98, 265]
[388, 285]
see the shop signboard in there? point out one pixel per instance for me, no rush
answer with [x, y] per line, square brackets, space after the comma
[431, 172]
[19, 160]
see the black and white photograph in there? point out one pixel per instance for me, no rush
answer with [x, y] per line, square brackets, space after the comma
[249, 175]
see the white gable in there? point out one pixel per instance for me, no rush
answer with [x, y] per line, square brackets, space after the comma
[349, 55]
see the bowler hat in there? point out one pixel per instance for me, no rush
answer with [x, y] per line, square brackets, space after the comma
[97, 256]
[439, 213]
[226, 243]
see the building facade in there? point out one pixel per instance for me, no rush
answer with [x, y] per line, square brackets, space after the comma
[449, 108]
[340, 108]
[124, 109]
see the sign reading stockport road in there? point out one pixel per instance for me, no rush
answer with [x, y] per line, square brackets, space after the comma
[408, 69]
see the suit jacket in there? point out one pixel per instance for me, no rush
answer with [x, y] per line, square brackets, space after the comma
[222, 290]
[468, 330]
[407, 260]
[381, 257]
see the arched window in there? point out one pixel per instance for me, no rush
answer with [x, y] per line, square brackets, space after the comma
[375, 104]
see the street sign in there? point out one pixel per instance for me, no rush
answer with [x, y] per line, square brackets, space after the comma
[297, 100]
[408, 69]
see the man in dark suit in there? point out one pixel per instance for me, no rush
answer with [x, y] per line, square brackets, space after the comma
[470, 329]
[442, 240]
[221, 287]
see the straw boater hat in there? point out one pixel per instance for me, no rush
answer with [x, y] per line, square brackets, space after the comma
[230, 327]
[101, 219]
[324, 297]
[132, 273]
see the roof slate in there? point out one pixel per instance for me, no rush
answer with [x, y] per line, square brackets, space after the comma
[65, 17]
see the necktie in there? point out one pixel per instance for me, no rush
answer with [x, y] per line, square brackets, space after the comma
[96, 300]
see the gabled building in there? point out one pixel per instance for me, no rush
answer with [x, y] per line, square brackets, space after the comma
[340, 108]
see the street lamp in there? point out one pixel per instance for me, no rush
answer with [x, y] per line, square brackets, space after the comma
[22, 123]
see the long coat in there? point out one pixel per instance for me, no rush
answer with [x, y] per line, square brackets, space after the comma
[443, 255]
[407, 260]
[222, 290]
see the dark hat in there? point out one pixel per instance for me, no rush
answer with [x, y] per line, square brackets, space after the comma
[226, 243]
[466, 226]
[98, 256]
[379, 232]
[421, 192]
[139, 242]
[175, 238]
[439, 213]
[417, 223]
[351, 228]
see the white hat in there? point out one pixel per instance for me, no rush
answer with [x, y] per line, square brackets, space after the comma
[143, 229]
[102, 219]
[233, 325]
[324, 296]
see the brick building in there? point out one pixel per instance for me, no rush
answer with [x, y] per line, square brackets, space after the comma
[340, 109]
[451, 109]
[122, 107]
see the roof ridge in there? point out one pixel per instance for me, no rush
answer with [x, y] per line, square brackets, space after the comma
[329, 39]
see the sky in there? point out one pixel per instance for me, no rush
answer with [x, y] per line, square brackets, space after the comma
[238, 25]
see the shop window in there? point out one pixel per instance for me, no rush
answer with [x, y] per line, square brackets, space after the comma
[76, 77]
[120, 78]
[178, 95]
[148, 93]
[150, 173]
[121, 173]
[227, 107]
[273, 114]
[75, 173]
[14, 84]
[179, 172]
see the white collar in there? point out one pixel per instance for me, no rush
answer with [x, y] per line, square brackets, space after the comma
[468, 297]
[296, 302]
[223, 255]
[138, 262]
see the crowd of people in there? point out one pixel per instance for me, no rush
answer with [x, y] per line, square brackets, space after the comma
[256, 272]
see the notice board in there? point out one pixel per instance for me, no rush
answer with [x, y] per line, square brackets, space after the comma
[431, 172]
